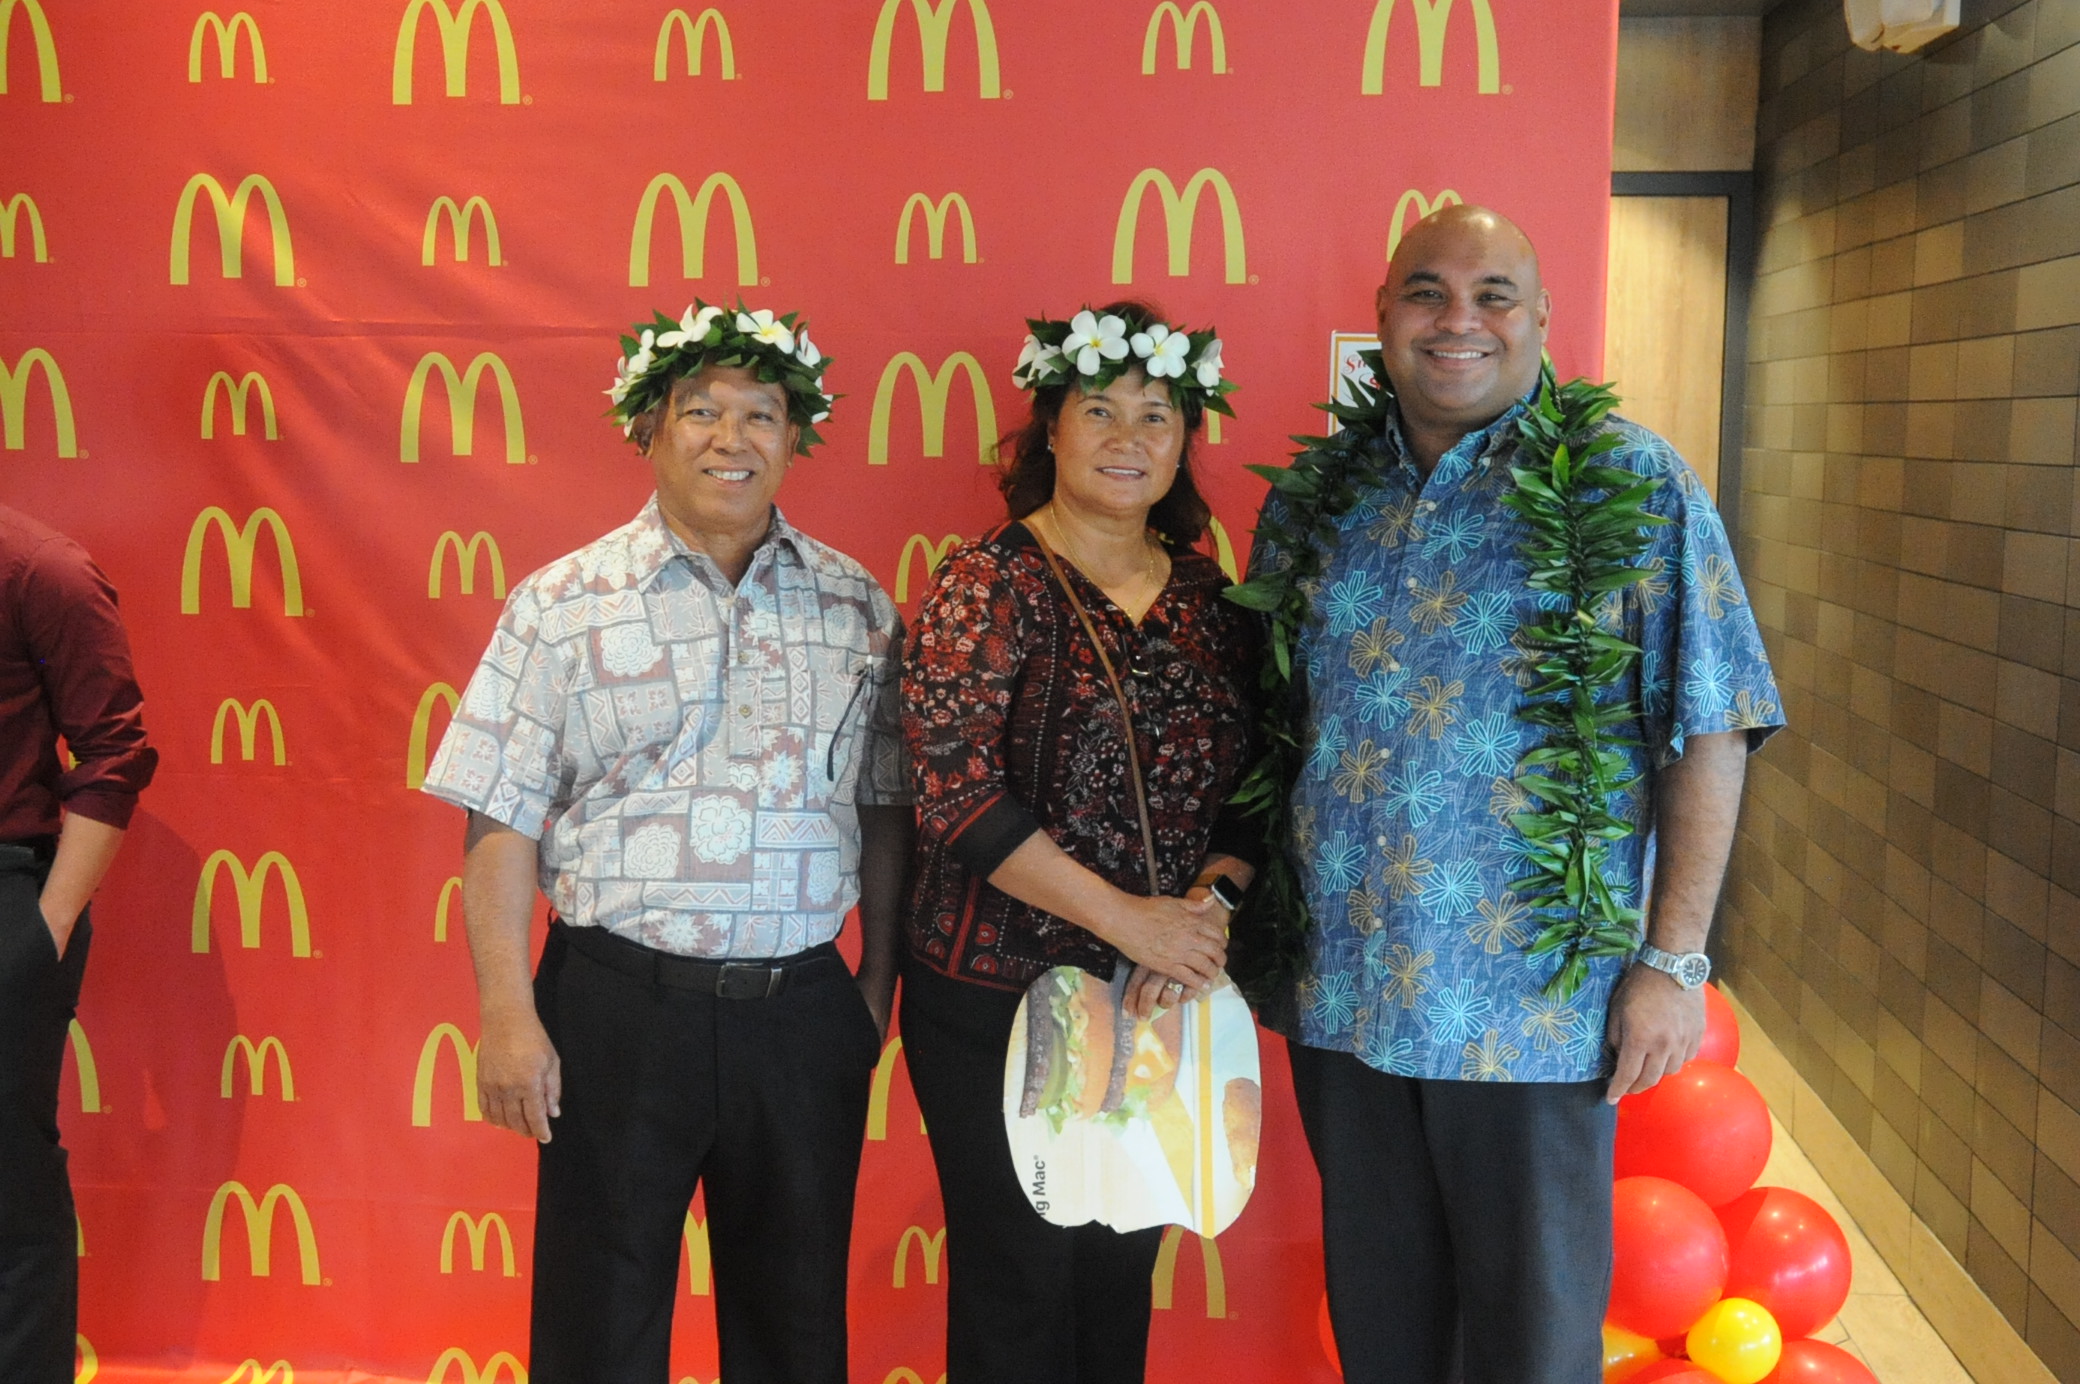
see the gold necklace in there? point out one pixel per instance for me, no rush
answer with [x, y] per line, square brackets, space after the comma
[1062, 537]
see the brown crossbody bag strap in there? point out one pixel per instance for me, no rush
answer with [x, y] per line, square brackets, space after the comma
[1148, 835]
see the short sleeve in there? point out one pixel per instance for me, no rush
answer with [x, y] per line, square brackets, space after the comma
[504, 754]
[1703, 668]
[884, 779]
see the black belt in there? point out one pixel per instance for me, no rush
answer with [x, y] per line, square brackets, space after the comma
[26, 857]
[729, 980]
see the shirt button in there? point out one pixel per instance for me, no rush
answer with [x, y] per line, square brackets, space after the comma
[743, 711]
[1411, 583]
[744, 656]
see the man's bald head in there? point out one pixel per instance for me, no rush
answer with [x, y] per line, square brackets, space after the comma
[1462, 324]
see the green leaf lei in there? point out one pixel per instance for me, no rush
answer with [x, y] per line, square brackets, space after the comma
[1587, 525]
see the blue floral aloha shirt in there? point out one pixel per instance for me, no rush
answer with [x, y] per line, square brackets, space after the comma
[1401, 818]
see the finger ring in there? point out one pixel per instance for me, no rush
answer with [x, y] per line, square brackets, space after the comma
[1174, 988]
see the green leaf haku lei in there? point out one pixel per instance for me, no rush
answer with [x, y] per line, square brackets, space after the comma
[1587, 525]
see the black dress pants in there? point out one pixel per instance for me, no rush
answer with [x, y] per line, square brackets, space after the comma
[1466, 1225]
[761, 1101]
[39, 1265]
[1026, 1302]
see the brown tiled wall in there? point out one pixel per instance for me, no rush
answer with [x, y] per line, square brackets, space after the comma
[1903, 915]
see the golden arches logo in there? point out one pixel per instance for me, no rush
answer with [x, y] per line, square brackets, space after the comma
[259, 1230]
[460, 219]
[462, 406]
[477, 1231]
[235, 393]
[451, 890]
[251, 1371]
[231, 226]
[1223, 548]
[1433, 22]
[227, 46]
[14, 401]
[10, 210]
[455, 27]
[255, 1055]
[429, 1058]
[1179, 210]
[248, 718]
[1165, 1284]
[1184, 27]
[878, 1092]
[918, 546]
[693, 228]
[466, 564]
[465, 1365]
[695, 31]
[700, 1268]
[239, 545]
[89, 1074]
[933, 389]
[251, 888]
[934, 27]
[903, 1374]
[930, 1249]
[1413, 206]
[46, 47]
[422, 732]
[88, 1363]
[935, 214]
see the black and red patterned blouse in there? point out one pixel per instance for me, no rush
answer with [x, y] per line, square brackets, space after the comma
[1013, 729]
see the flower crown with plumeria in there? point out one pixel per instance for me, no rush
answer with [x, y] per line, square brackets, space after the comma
[1093, 351]
[774, 349]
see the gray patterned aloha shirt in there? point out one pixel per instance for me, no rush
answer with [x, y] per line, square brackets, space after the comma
[1417, 963]
[690, 757]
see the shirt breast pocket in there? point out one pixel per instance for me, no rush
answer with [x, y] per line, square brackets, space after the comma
[846, 700]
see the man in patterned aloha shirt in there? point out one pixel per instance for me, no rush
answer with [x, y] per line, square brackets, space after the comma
[685, 733]
[1461, 1119]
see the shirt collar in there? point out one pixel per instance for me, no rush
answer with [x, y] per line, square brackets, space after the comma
[1476, 447]
[653, 545]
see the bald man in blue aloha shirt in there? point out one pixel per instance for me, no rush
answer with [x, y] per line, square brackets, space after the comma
[1461, 1118]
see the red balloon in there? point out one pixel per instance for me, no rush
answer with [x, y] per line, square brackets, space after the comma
[1668, 1257]
[1785, 1252]
[1706, 1127]
[1816, 1362]
[1722, 1031]
[1673, 1372]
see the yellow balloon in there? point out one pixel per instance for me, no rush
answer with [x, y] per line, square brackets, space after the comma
[1626, 1353]
[1737, 1340]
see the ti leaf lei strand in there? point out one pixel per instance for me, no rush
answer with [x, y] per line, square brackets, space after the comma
[1581, 546]
[1588, 526]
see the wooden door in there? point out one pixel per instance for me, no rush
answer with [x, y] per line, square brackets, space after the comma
[1665, 333]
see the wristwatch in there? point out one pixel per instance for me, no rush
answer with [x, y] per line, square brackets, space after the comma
[1224, 891]
[1689, 969]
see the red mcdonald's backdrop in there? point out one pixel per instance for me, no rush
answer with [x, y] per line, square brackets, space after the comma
[256, 266]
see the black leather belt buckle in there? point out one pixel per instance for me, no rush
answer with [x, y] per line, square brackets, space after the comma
[739, 982]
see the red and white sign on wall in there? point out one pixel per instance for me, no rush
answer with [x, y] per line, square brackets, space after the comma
[306, 312]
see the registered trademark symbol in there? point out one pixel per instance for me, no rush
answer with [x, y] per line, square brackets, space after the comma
[1508, 90]
[319, 955]
[765, 281]
[328, 1283]
[1007, 95]
[1253, 278]
[527, 100]
[68, 98]
[534, 461]
[303, 283]
[82, 456]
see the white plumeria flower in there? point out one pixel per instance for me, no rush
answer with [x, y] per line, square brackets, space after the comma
[819, 417]
[692, 327]
[1209, 365]
[1164, 350]
[1094, 340]
[639, 364]
[805, 350]
[761, 327]
[1036, 361]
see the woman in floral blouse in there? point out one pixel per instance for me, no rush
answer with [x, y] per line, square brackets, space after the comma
[1030, 843]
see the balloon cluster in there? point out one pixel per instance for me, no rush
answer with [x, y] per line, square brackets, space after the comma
[1715, 1280]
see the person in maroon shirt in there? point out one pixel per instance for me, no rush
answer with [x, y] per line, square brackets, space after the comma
[64, 674]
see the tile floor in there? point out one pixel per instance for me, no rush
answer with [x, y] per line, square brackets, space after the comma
[1880, 1324]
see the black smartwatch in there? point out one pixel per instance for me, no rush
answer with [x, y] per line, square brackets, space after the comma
[1224, 891]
